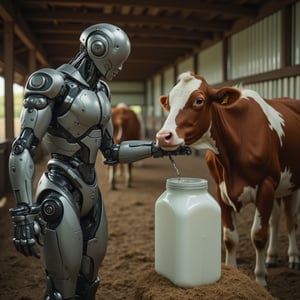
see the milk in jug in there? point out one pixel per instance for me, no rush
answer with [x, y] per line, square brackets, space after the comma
[188, 233]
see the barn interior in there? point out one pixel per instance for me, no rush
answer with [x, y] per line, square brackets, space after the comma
[251, 42]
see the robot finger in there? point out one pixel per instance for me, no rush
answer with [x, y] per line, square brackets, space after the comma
[35, 252]
[30, 250]
[17, 245]
[24, 247]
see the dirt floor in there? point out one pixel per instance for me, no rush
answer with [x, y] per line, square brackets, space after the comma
[127, 271]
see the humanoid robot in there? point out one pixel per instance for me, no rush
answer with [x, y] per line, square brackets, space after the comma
[69, 108]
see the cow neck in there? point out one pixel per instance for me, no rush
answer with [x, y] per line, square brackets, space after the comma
[237, 130]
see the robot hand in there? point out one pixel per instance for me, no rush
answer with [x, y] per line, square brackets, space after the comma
[28, 227]
[159, 152]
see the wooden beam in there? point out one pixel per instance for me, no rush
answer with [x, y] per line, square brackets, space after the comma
[31, 61]
[270, 75]
[93, 17]
[76, 29]
[225, 55]
[286, 36]
[229, 9]
[137, 42]
[9, 79]
[8, 12]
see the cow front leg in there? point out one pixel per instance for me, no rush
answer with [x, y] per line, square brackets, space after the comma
[290, 210]
[231, 240]
[112, 177]
[127, 173]
[230, 234]
[272, 252]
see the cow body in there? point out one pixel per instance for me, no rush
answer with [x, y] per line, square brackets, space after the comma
[126, 127]
[253, 146]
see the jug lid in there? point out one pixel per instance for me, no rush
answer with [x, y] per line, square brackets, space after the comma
[186, 183]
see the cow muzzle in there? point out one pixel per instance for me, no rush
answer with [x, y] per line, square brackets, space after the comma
[168, 140]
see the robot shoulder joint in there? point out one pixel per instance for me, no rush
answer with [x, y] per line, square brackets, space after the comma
[46, 82]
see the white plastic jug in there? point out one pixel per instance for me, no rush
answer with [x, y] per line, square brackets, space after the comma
[188, 233]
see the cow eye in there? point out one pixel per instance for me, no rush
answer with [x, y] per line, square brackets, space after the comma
[199, 101]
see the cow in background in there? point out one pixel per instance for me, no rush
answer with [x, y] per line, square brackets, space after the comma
[253, 150]
[127, 126]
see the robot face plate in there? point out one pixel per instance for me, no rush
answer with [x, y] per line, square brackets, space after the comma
[108, 46]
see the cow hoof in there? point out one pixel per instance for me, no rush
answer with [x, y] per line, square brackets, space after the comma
[294, 265]
[262, 280]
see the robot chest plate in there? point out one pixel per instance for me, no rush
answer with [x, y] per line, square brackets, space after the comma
[84, 113]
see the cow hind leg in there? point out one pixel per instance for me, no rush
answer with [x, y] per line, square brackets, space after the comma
[259, 231]
[259, 240]
[272, 251]
[290, 210]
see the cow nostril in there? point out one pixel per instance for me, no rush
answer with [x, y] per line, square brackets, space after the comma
[168, 136]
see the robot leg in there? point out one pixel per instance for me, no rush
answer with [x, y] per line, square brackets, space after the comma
[63, 245]
[94, 227]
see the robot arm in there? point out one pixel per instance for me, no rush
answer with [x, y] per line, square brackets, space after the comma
[26, 216]
[42, 87]
[131, 151]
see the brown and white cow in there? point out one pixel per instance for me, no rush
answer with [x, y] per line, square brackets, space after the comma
[253, 155]
[127, 126]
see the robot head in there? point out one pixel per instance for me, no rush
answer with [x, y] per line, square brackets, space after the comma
[108, 46]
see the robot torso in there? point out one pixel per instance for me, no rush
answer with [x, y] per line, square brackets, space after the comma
[78, 121]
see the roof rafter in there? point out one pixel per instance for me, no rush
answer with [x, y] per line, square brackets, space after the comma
[191, 6]
[93, 17]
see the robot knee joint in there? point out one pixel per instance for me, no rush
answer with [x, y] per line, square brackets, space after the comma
[52, 210]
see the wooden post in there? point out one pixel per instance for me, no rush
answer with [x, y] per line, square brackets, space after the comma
[9, 79]
[32, 61]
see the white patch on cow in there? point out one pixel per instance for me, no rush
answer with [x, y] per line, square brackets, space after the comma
[256, 223]
[206, 142]
[224, 195]
[120, 132]
[285, 185]
[178, 98]
[248, 195]
[123, 105]
[276, 121]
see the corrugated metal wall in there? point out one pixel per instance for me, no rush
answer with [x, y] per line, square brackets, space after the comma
[296, 35]
[187, 64]
[254, 50]
[210, 64]
[286, 87]
[258, 49]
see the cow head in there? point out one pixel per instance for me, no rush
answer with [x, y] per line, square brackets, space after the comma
[190, 112]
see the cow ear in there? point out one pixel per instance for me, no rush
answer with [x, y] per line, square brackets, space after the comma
[164, 102]
[227, 95]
